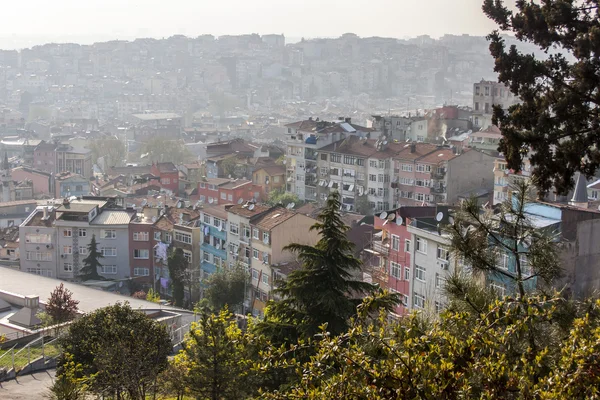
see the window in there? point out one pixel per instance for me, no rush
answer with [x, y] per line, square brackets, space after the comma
[255, 254]
[407, 245]
[503, 262]
[324, 171]
[202, 185]
[167, 238]
[67, 250]
[407, 167]
[324, 156]
[395, 243]
[438, 307]
[373, 163]
[234, 228]
[141, 254]
[206, 256]
[360, 176]
[230, 196]
[476, 106]
[404, 300]
[223, 196]
[379, 192]
[141, 271]
[524, 264]
[109, 251]
[395, 269]
[141, 236]
[423, 168]
[78, 188]
[38, 256]
[421, 245]
[266, 237]
[183, 237]
[255, 275]
[420, 273]
[255, 233]
[407, 273]
[68, 267]
[109, 234]
[157, 236]
[443, 253]
[360, 162]
[372, 178]
[265, 258]
[439, 281]
[336, 158]
[188, 256]
[349, 160]
[265, 279]
[67, 232]
[83, 250]
[487, 90]
[419, 301]
[380, 178]
[44, 238]
[207, 219]
[108, 269]
[498, 288]
[218, 223]
[82, 233]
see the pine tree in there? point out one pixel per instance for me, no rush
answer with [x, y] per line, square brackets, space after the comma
[325, 290]
[91, 263]
[558, 122]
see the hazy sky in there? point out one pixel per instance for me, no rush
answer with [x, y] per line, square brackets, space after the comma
[85, 20]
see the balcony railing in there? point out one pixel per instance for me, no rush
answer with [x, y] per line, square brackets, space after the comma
[438, 174]
[438, 189]
[381, 247]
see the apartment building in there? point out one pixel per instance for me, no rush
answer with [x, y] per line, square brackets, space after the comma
[67, 184]
[141, 250]
[226, 191]
[73, 159]
[269, 178]
[430, 263]
[487, 139]
[271, 232]
[357, 167]
[486, 94]
[392, 248]
[505, 177]
[305, 138]
[429, 174]
[60, 254]
[213, 219]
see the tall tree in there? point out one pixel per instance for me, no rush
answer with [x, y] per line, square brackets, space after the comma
[177, 272]
[122, 349]
[91, 263]
[216, 358]
[61, 306]
[559, 119]
[227, 288]
[325, 290]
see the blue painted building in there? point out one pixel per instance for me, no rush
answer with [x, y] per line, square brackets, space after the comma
[69, 184]
[213, 219]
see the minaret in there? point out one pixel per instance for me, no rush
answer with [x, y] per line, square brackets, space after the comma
[580, 196]
[5, 179]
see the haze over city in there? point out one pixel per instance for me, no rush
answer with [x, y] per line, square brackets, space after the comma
[101, 20]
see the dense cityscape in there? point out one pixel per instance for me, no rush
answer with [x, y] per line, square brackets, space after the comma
[251, 195]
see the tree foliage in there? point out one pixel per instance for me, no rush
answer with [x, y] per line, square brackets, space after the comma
[70, 383]
[215, 358]
[226, 288]
[177, 272]
[324, 290]
[283, 198]
[162, 150]
[112, 149]
[152, 296]
[559, 118]
[61, 306]
[122, 349]
[91, 263]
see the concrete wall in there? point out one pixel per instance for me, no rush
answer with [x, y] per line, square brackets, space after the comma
[470, 171]
[582, 260]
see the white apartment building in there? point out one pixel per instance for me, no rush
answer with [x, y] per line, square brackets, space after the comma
[305, 138]
[486, 94]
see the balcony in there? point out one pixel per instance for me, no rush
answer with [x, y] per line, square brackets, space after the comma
[438, 174]
[438, 189]
[382, 247]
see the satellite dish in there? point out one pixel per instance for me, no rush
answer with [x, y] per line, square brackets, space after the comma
[383, 215]
[144, 202]
[210, 200]
[391, 216]
[251, 207]
[179, 204]
[240, 201]
[439, 216]
[292, 205]
[217, 246]
[153, 219]
[399, 221]
[451, 220]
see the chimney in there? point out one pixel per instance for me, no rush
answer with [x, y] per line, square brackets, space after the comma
[45, 208]
[413, 148]
[32, 302]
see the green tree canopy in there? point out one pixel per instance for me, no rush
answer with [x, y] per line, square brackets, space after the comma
[61, 306]
[559, 119]
[325, 290]
[162, 150]
[178, 273]
[226, 288]
[91, 263]
[112, 149]
[284, 198]
[123, 350]
[216, 359]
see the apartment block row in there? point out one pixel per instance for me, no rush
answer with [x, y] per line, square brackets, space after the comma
[373, 175]
[135, 244]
